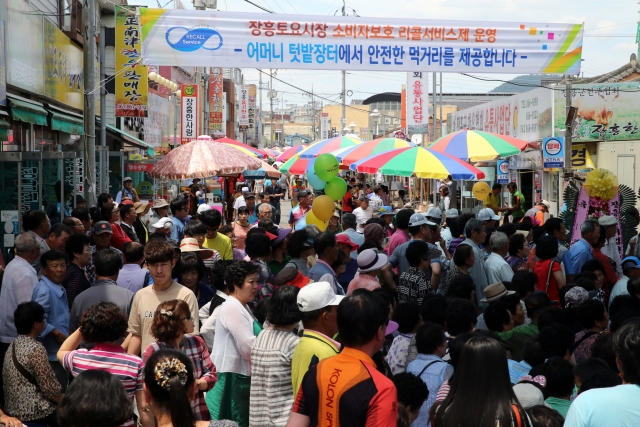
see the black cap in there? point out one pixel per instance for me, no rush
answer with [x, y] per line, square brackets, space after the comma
[303, 193]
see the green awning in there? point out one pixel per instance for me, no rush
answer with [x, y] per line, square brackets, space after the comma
[4, 134]
[66, 123]
[28, 112]
[4, 124]
[133, 141]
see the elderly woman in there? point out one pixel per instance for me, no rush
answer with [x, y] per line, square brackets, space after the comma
[31, 390]
[139, 224]
[463, 260]
[171, 321]
[104, 324]
[236, 331]
[111, 214]
[518, 252]
[271, 361]
[79, 252]
[375, 233]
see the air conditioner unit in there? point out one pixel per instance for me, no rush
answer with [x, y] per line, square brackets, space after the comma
[211, 4]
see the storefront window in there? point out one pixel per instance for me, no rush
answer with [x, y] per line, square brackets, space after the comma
[8, 202]
[50, 177]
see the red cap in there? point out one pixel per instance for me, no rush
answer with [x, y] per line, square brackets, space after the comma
[344, 240]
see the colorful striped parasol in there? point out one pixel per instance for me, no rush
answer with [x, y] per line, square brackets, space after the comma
[259, 153]
[295, 165]
[418, 161]
[202, 159]
[475, 145]
[328, 146]
[349, 155]
[290, 152]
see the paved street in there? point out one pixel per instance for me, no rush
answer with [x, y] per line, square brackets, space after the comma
[285, 208]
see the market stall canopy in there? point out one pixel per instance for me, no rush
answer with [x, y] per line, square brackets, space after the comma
[265, 171]
[290, 152]
[328, 146]
[349, 155]
[475, 145]
[201, 159]
[418, 161]
[260, 154]
[295, 165]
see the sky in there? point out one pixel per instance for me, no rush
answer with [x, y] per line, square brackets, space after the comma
[610, 29]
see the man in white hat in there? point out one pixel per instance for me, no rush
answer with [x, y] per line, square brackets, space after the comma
[164, 225]
[160, 210]
[610, 249]
[318, 308]
[489, 217]
[537, 212]
[434, 215]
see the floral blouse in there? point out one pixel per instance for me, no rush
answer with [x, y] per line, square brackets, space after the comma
[24, 400]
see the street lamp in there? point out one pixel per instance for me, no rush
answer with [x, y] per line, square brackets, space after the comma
[375, 116]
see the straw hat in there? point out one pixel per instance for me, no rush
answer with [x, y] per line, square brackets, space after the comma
[189, 244]
[141, 208]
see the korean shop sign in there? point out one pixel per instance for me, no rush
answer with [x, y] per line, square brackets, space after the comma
[249, 40]
[132, 84]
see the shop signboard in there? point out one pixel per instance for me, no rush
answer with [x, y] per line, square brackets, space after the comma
[74, 174]
[132, 84]
[553, 153]
[157, 125]
[502, 172]
[189, 113]
[417, 101]
[25, 47]
[63, 79]
[606, 111]
[243, 117]
[3, 66]
[216, 107]
[139, 167]
[526, 116]
[250, 40]
[324, 126]
[251, 133]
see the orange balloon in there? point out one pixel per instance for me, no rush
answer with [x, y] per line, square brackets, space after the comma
[323, 208]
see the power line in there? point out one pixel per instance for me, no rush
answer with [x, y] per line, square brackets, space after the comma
[259, 7]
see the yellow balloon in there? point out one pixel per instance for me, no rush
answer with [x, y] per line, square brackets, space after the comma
[481, 190]
[312, 220]
[323, 208]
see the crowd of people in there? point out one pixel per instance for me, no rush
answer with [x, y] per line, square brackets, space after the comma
[388, 317]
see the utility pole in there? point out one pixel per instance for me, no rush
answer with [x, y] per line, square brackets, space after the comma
[103, 114]
[271, 96]
[89, 55]
[568, 134]
[260, 132]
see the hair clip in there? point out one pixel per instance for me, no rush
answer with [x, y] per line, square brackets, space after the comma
[167, 369]
[166, 313]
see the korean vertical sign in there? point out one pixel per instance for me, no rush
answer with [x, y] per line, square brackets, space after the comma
[324, 126]
[417, 102]
[189, 113]
[132, 85]
[251, 134]
[216, 107]
[243, 119]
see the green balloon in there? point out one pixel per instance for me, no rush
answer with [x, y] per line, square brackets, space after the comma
[326, 167]
[336, 188]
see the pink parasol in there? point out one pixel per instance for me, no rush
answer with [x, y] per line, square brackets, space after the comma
[201, 159]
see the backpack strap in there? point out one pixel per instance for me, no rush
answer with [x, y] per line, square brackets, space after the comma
[26, 374]
[147, 279]
[429, 364]
[546, 288]
[584, 337]
[516, 411]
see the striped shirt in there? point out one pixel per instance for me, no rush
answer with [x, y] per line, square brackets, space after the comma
[271, 357]
[110, 358]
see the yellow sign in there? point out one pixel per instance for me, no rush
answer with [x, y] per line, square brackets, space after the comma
[135, 156]
[132, 84]
[580, 157]
[63, 68]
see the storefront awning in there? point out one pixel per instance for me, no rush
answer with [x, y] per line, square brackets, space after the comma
[27, 112]
[66, 123]
[133, 141]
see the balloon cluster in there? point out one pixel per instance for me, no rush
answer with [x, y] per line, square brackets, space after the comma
[324, 177]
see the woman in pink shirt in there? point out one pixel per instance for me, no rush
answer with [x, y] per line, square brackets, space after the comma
[402, 231]
[369, 264]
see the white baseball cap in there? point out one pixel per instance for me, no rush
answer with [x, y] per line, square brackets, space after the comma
[203, 207]
[165, 222]
[487, 214]
[419, 219]
[317, 295]
[452, 213]
[434, 212]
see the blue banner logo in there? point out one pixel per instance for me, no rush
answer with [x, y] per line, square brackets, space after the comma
[195, 39]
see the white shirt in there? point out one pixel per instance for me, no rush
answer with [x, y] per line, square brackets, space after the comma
[231, 350]
[610, 249]
[20, 279]
[498, 270]
[208, 329]
[239, 203]
[362, 216]
[620, 288]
